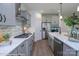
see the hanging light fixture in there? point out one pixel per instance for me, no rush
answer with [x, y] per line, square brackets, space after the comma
[78, 8]
[61, 16]
[60, 13]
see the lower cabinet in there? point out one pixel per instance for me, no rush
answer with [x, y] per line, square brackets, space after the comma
[61, 49]
[68, 51]
[24, 49]
[51, 42]
[30, 46]
[14, 53]
[21, 50]
[58, 47]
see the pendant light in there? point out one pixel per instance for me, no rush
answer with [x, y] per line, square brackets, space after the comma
[78, 8]
[60, 14]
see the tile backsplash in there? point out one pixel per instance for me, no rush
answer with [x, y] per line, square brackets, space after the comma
[12, 30]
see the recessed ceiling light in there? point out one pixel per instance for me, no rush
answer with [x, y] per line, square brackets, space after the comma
[38, 15]
[41, 11]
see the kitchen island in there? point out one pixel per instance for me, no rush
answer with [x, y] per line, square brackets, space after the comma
[62, 46]
[18, 47]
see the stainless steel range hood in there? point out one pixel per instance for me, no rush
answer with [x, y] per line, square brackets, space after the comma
[23, 20]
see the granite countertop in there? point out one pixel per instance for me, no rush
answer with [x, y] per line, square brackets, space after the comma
[64, 39]
[5, 50]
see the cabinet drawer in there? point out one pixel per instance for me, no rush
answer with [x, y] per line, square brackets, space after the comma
[67, 51]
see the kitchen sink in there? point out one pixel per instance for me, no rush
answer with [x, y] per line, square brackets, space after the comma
[25, 35]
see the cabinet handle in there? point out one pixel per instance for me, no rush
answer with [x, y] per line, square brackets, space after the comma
[4, 18]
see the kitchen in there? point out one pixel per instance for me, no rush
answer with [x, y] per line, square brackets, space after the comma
[23, 25]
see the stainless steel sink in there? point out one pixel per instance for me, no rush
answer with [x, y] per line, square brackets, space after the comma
[25, 35]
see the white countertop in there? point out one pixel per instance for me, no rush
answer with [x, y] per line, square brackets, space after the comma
[64, 39]
[5, 50]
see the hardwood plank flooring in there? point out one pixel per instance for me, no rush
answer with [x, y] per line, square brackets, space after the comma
[41, 48]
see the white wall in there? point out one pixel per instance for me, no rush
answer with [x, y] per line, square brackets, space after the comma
[36, 24]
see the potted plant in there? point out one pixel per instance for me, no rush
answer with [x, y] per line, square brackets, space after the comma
[71, 21]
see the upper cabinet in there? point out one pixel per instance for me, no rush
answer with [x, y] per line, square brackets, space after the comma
[7, 14]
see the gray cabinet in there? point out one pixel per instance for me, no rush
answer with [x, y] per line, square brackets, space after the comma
[68, 51]
[19, 51]
[30, 44]
[7, 14]
[14, 53]
[51, 42]
[24, 49]
[56, 46]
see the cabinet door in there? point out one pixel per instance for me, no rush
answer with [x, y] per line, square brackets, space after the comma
[29, 44]
[49, 41]
[7, 11]
[67, 51]
[52, 44]
[22, 49]
[30, 50]
[27, 47]
[14, 53]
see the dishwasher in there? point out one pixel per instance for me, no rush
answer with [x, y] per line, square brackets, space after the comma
[58, 47]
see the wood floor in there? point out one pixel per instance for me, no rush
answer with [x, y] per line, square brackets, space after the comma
[41, 48]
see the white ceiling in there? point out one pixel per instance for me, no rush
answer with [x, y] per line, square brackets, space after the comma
[67, 8]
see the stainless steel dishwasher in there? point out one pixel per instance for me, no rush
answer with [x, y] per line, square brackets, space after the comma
[58, 47]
